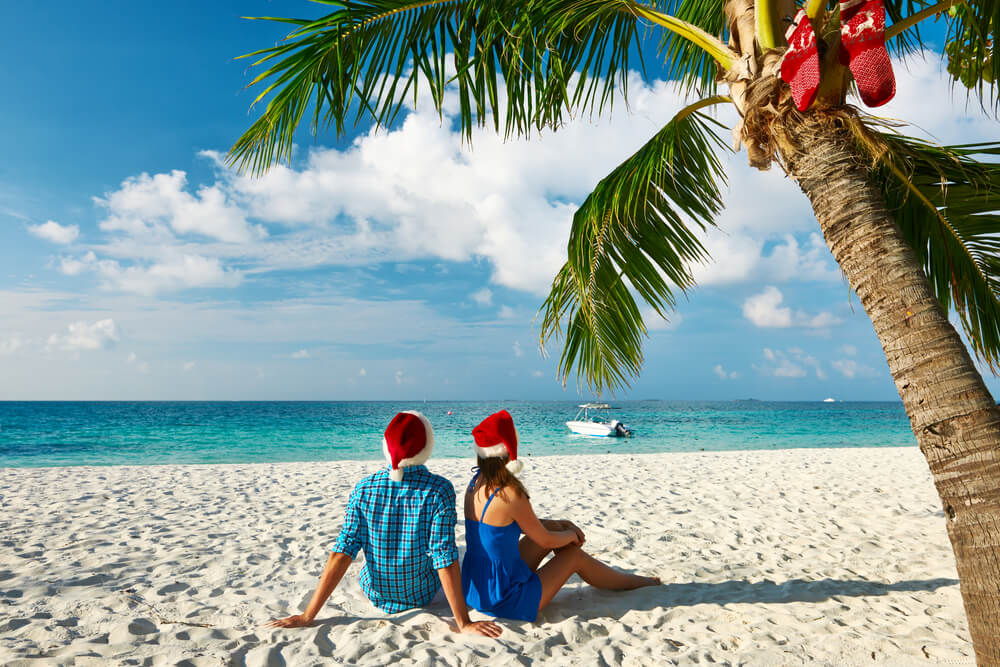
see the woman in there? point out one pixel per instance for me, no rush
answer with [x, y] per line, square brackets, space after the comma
[500, 573]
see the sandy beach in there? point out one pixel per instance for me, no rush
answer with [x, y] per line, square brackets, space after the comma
[823, 556]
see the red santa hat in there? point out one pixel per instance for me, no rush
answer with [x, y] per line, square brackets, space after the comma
[408, 441]
[496, 436]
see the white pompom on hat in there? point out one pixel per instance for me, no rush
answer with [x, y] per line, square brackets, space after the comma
[408, 441]
[496, 436]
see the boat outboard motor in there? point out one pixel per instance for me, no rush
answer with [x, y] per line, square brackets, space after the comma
[621, 430]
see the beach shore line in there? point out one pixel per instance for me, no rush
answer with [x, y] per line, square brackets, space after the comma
[783, 557]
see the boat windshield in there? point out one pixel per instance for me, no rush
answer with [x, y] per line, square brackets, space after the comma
[584, 413]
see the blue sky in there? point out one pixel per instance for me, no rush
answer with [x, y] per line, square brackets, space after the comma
[402, 265]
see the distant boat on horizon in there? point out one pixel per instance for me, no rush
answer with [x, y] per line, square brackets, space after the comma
[829, 400]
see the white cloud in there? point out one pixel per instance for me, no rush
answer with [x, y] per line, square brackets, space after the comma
[791, 363]
[86, 336]
[765, 310]
[400, 377]
[74, 267]
[141, 366]
[851, 369]
[153, 206]
[56, 233]
[10, 345]
[300, 354]
[508, 203]
[927, 100]
[363, 372]
[849, 350]
[483, 297]
[846, 367]
[518, 352]
[742, 256]
[173, 273]
[823, 320]
[188, 366]
[654, 322]
[723, 374]
[506, 313]
[537, 374]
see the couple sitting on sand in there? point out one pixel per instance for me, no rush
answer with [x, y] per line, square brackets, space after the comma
[406, 526]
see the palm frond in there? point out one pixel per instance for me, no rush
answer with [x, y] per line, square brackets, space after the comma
[947, 202]
[969, 44]
[368, 57]
[518, 65]
[898, 11]
[695, 69]
[633, 234]
[971, 48]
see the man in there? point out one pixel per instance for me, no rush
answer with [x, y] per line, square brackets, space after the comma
[405, 523]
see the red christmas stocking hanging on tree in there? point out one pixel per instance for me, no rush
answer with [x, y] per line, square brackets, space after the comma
[800, 64]
[862, 36]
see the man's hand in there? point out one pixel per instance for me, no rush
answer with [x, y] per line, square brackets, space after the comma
[451, 582]
[484, 628]
[297, 621]
[336, 566]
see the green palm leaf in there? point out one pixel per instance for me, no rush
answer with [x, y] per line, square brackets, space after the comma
[898, 11]
[948, 205]
[969, 45]
[633, 234]
[971, 48]
[520, 65]
[367, 58]
[693, 67]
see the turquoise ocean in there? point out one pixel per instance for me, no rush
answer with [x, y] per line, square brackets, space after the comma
[140, 433]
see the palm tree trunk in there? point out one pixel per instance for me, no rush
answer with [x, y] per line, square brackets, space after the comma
[953, 416]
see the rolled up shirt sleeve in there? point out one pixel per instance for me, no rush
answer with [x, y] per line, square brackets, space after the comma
[441, 547]
[352, 533]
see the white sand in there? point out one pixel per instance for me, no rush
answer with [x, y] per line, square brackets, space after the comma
[835, 557]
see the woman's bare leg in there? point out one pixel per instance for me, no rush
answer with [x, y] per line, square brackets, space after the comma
[531, 552]
[572, 559]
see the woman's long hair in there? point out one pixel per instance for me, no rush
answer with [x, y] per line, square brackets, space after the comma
[493, 474]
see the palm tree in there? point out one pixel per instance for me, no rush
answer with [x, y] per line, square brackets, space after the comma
[913, 225]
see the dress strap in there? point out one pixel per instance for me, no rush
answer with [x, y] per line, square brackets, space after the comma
[487, 505]
[472, 482]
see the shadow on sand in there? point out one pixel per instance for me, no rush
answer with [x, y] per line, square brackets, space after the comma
[591, 603]
[588, 603]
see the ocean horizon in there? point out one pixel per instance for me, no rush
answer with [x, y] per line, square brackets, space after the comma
[73, 433]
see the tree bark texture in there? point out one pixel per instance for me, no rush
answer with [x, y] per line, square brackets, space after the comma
[953, 416]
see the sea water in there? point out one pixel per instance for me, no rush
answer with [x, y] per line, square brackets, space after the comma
[141, 433]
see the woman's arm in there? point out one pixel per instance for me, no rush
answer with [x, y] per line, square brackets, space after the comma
[522, 512]
[336, 566]
[564, 524]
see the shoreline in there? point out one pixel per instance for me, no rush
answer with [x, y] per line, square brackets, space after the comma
[526, 458]
[769, 557]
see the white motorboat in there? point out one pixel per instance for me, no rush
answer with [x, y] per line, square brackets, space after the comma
[829, 400]
[596, 427]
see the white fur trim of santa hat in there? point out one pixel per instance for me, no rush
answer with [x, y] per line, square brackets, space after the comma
[396, 474]
[514, 466]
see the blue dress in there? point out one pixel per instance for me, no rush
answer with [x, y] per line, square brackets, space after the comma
[495, 579]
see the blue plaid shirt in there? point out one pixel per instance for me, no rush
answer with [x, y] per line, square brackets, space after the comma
[407, 530]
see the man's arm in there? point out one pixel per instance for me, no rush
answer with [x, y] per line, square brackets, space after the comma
[451, 582]
[336, 566]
